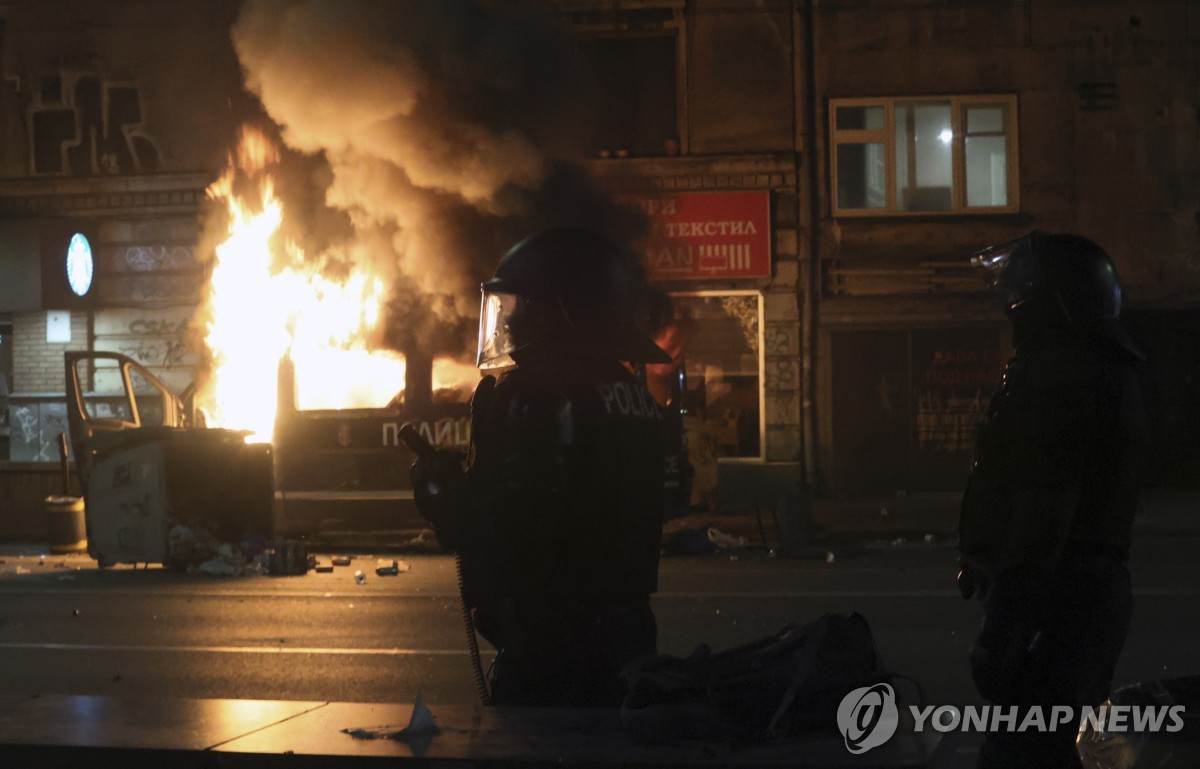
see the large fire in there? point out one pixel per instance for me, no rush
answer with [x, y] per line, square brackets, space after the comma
[266, 300]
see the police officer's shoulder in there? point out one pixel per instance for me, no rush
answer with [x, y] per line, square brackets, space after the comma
[594, 386]
[1067, 381]
[528, 416]
[536, 386]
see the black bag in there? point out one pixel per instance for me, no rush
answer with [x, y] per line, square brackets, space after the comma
[789, 683]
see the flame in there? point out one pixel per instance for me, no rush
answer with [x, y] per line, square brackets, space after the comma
[265, 300]
[453, 379]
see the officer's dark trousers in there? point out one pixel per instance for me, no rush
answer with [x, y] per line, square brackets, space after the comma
[1086, 615]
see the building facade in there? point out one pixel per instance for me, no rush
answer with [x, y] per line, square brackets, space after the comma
[814, 176]
[114, 117]
[906, 136]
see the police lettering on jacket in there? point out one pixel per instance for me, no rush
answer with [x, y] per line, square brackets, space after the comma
[628, 401]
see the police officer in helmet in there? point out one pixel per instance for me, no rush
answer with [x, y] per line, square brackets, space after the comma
[557, 515]
[1048, 511]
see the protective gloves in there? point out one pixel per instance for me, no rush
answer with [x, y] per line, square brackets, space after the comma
[439, 487]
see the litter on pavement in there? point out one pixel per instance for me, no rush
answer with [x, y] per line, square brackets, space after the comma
[386, 568]
[422, 724]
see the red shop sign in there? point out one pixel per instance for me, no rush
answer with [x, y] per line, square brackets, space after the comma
[706, 235]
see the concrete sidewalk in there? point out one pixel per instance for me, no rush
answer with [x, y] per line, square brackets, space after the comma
[917, 517]
[74, 731]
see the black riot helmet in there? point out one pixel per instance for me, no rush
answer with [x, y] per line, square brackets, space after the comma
[1056, 281]
[564, 290]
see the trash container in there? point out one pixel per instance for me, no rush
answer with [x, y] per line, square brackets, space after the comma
[65, 528]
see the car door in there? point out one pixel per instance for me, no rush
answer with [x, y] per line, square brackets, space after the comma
[108, 395]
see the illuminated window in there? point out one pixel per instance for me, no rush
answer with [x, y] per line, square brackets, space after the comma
[714, 341]
[935, 155]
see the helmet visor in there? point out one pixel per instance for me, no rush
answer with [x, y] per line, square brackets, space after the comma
[999, 259]
[1012, 268]
[495, 337]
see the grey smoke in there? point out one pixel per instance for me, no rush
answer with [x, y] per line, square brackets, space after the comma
[447, 127]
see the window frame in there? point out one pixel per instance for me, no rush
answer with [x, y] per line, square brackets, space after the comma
[600, 20]
[887, 136]
[761, 458]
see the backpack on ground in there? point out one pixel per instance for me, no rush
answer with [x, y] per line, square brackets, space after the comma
[787, 683]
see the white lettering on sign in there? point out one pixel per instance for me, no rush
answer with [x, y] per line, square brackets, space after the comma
[671, 259]
[705, 235]
[724, 258]
[448, 432]
[709, 229]
[621, 398]
[658, 206]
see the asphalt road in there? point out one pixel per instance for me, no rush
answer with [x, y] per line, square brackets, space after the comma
[141, 632]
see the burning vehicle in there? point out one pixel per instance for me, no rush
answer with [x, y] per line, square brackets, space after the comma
[290, 428]
[339, 472]
[407, 169]
[151, 469]
[145, 466]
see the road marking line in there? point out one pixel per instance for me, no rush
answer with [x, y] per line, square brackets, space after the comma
[233, 649]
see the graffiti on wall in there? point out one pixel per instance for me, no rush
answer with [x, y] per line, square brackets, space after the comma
[144, 258]
[782, 375]
[157, 274]
[25, 419]
[83, 124]
[35, 430]
[166, 340]
[779, 340]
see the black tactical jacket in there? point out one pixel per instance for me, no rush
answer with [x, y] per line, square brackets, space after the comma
[564, 493]
[1058, 459]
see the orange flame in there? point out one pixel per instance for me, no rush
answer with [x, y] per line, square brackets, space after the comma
[259, 311]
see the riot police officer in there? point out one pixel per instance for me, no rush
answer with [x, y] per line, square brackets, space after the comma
[1048, 511]
[557, 517]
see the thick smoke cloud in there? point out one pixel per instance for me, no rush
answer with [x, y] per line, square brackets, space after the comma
[447, 127]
